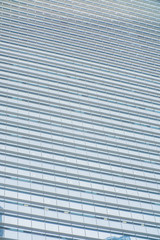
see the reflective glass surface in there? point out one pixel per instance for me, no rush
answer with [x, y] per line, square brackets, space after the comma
[80, 120]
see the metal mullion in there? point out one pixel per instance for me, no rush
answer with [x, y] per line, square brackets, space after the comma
[34, 204]
[69, 153]
[31, 89]
[63, 196]
[60, 73]
[94, 37]
[81, 24]
[86, 119]
[71, 41]
[81, 20]
[78, 176]
[88, 226]
[72, 53]
[122, 40]
[70, 135]
[104, 147]
[21, 49]
[52, 220]
[77, 69]
[115, 5]
[59, 142]
[139, 4]
[125, 45]
[90, 130]
[43, 83]
[81, 146]
[38, 231]
[99, 131]
[114, 163]
[72, 187]
[72, 100]
[66, 107]
[75, 176]
[80, 12]
[84, 167]
[86, 201]
[121, 119]
[97, 23]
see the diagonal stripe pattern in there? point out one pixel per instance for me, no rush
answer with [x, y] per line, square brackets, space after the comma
[80, 120]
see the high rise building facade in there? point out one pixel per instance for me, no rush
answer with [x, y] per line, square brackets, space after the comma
[79, 113]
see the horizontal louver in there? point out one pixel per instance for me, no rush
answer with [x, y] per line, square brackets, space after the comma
[80, 120]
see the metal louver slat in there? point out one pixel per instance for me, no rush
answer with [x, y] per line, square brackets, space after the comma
[80, 120]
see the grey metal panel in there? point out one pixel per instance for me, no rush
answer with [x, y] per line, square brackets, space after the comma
[79, 112]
